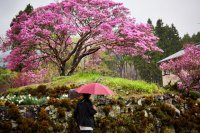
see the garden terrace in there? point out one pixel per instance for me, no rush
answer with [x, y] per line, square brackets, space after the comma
[162, 113]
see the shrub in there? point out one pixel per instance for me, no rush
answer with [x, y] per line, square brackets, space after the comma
[26, 125]
[43, 115]
[13, 111]
[6, 77]
[5, 126]
[30, 77]
[61, 112]
[107, 109]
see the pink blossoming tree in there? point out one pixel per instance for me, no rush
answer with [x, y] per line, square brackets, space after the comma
[29, 77]
[186, 67]
[47, 34]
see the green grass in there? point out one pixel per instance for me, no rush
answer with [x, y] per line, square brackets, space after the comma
[120, 85]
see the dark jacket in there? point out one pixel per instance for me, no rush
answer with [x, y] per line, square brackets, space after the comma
[84, 113]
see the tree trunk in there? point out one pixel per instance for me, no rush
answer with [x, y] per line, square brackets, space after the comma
[74, 66]
[71, 70]
[121, 68]
[62, 69]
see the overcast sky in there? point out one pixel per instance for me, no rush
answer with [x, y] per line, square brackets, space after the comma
[184, 14]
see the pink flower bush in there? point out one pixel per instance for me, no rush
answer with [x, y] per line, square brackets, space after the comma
[47, 34]
[30, 77]
[186, 67]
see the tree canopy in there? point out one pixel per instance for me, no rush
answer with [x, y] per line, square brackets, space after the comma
[46, 34]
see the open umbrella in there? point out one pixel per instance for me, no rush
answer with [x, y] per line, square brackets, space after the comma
[95, 88]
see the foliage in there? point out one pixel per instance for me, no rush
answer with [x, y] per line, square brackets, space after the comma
[148, 70]
[12, 79]
[120, 85]
[125, 84]
[113, 82]
[186, 67]
[28, 10]
[116, 63]
[187, 39]
[6, 77]
[194, 94]
[42, 91]
[24, 99]
[46, 34]
[29, 77]
[169, 41]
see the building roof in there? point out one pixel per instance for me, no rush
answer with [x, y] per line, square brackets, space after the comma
[175, 55]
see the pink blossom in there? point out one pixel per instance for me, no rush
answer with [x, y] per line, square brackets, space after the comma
[47, 34]
[186, 67]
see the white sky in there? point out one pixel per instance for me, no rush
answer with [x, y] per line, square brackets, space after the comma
[184, 14]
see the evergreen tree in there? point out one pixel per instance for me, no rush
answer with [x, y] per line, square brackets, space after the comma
[196, 38]
[169, 41]
[28, 10]
[149, 22]
[187, 39]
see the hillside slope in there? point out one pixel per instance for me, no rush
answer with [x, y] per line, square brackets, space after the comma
[123, 87]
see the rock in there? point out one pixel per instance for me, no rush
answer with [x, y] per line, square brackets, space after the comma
[177, 100]
[129, 102]
[102, 101]
[140, 101]
[168, 130]
[167, 96]
[159, 97]
[22, 111]
[47, 108]
[151, 115]
[182, 110]
[14, 124]
[28, 115]
[116, 109]
[145, 114]
[198, 100]
[150, 128]
[158, 125]
[69, 114]
[169, 101]
[186, 107]
[194, 131]
[51, 129]
[172, 106]
[54, 116]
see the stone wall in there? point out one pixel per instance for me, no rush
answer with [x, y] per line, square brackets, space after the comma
[159, 114]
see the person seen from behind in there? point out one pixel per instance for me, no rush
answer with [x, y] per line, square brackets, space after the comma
[84, 114]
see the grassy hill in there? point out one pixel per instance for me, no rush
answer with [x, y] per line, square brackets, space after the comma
[123, 87]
